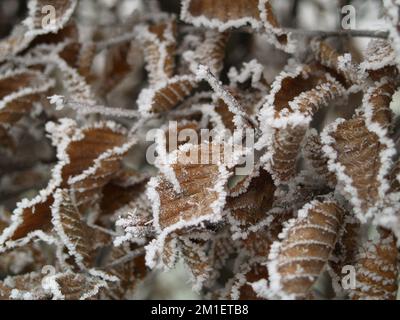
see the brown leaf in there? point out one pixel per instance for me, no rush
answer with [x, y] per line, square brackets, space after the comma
[88, 159]
[380, 60]
[23, 34]
[293, 100]
[77, 286]
[196, 195]
[345, 71]
[74, 233]
[358, 155]
[345, 250]
[247, 208]
[297, 261]
[19, 90]
[27, 286]
[249, 272]
[317, 159]
[129, 272]
[166, 95]
[159, 45]
[226, 14]
[377, 270]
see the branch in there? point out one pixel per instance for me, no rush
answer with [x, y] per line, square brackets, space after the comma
[339, 33]
[126, 258]
[108, 43]
[101, 45]
[83, 108]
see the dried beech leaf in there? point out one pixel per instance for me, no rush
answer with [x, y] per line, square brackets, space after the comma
[221, 248]
[251, 206]
[377, 270]
[196, 196]
[165, 95]
[293, 100]
[32, 26]
[65, 58]
[73, 231]
[317, 159]
[118, 66]
[261, 236]
[122, 194]
[249, 272]
[296, 261]
[19, 90]
[76, 286]
[345, 251]
[232, 112]
[392, 13]
[135, 219]
[23, 260]
[159, 45]
[23, 287]
[360, 156]
[376, 102]
[341, 66]
[129, 272]
[380, 60]
[211, 52]
[194, 252]
[224, 14]
[88, 157]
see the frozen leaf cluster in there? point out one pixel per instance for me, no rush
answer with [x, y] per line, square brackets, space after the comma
[84, 214]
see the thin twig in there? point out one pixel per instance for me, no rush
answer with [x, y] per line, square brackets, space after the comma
[106, 44]
[126, 258]
[339, 33]
[89, 109]
[383, 34]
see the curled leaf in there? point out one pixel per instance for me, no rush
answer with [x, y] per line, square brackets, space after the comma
[296, 261]
[377, 270]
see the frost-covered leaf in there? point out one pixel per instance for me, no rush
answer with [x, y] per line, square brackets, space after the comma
[159, 45]
[20, 90]
[376, 102]
[221, 14]
[75, 234]
[380, 60]
[250, 203]
[194, 252]
[88, 158]
[127, 263]
[122, 197]
[285, 117]
[23, 260]
[232, 112]
[224, 14]
[360, 155]
[317, 159]
[24, 287]
[192, 195]
[211, 52]
[296, 261]
[135, 219]
[249, 272]
[74, 286]
[165, 95]
[341, 66]
[393, 16]
[377, 269]
[32, 26]
[345, 251]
